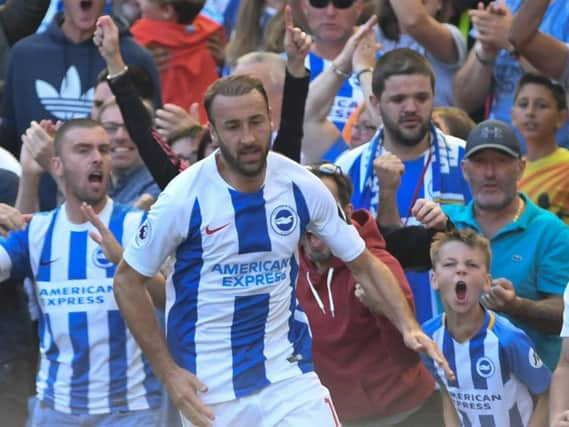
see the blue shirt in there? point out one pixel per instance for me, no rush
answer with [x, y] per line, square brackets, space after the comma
[497, 372]
[533, 253]
[507, 70]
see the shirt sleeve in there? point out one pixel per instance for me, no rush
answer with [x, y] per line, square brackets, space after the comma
[157, 237]
[459, 42]
[527, 365]
[14, 256]
[552, 274]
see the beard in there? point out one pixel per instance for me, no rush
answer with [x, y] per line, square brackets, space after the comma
[399, 136]
[235, 163]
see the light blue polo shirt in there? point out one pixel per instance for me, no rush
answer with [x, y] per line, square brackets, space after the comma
[533, 253]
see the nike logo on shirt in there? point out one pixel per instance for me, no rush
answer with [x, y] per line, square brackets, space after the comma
[210, 231]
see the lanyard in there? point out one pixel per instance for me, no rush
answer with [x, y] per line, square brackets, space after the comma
[419, 185]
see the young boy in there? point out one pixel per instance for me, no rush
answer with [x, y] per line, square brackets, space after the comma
[498, 373]
[178, 26]
[539, 110]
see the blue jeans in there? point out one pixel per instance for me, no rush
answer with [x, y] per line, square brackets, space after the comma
[44, 416]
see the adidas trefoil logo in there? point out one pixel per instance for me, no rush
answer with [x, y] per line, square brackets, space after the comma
[67, 103]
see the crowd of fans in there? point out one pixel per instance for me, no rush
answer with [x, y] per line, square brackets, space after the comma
[441, 128]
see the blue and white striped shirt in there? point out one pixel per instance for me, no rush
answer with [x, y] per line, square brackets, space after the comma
[497, 372]
[90, 363]
[232, 315]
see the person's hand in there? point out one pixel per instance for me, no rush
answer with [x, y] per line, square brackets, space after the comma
[561, 420]
[103, 236]
[182, 388]
[344, 60]
[429, 214]
[365, 53]
[416, 340]
[389, 168]
[144, 202]
[38, 140]
[216, 47]
[11, 219]
[106, 38]
[171, 118]
[296, 44]
[161, 55]
[492, 25]
[501, 297]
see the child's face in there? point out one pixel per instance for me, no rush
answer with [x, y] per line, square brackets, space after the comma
[460, 275]
[535, 113]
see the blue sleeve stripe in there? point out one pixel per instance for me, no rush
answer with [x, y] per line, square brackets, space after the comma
[116, 226]
[251, 222]
[248, 343]
[301, 208]
[182, 317]
[77, 255]
[79, 337]
[117, 361]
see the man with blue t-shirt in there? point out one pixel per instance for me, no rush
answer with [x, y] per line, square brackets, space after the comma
[408, 159]
[236, 339]
[530, 246]
[91, 369]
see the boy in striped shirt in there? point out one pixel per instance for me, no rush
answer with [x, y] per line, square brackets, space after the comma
[500, 379]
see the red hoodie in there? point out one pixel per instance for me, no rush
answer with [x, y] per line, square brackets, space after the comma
[360, 357]
[192, 68]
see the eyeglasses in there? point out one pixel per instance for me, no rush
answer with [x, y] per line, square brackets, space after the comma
[324, 169]
[113, 127]
[338, 4]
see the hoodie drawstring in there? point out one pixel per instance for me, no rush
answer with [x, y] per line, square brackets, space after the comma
[317, 297]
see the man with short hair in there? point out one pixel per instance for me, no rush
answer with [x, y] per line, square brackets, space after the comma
[91, 369]
[409, 158]
[237, 340]
[530, 246]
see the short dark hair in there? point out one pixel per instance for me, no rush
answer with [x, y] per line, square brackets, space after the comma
[555, 89]
[235, 85]
[396, 62]
[342, 181]
[83, 123]
[186, 10]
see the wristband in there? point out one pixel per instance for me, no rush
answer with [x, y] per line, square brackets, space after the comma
[480, 59]
[365, 70]
[339, 72]
[118, 74]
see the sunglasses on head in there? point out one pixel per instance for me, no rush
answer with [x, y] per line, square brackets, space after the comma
[338, 4]
[325, 169]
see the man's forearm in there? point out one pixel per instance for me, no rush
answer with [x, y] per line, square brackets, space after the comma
[526, 21]
[472, 83]
[138, 312]
[545, 315]
[27, 200]
[559, 389]
[387, 210]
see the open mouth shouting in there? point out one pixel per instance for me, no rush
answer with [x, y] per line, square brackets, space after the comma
[85, 4]
[460, 291]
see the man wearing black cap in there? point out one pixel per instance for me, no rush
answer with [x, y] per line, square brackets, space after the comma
[530, 246]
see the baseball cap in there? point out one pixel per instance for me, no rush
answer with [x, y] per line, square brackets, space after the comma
[493, 134]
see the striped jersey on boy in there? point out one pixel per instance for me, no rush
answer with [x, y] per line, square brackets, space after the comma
[497, 372]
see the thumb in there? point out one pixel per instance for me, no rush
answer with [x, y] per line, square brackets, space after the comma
[194, 111]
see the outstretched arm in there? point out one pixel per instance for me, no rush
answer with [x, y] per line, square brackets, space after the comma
[157, 156]
[415, 20]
